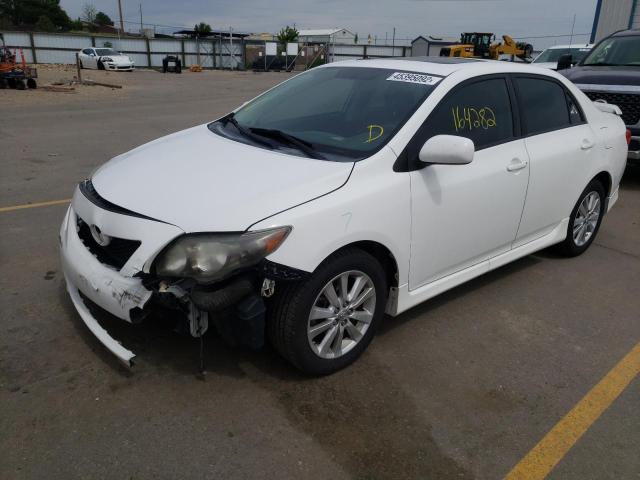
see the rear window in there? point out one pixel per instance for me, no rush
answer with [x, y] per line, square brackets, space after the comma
[543, 105]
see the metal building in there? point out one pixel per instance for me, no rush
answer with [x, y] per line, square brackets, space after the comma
[328, 35]
[614, 15]
[429, 46]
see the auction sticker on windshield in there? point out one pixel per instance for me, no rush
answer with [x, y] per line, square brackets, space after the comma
[414, 78]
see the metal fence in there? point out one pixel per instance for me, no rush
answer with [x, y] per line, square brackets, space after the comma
[61, 48]
[227, 53]
[337, 52]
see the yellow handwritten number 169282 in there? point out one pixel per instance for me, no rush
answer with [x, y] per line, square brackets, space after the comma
[469, 118]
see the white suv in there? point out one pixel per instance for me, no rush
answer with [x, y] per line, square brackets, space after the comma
[348, 191]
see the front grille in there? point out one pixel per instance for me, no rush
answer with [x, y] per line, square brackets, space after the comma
[629, 103]
[115, 254]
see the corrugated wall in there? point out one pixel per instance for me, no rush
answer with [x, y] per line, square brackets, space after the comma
[635, 20]
[61, 48]
[614, 15]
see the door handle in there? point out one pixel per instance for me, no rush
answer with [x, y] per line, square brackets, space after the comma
[586, 144]
[516, 164]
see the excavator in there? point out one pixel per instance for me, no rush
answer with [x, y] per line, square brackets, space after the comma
[479, 45]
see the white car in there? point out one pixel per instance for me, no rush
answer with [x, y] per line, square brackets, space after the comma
[352, 190]
[105, 59]
[549, 57]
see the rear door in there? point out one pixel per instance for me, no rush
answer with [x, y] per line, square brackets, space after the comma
[560, 144]
[464, 214]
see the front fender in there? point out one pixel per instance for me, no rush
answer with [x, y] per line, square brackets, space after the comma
[374, 205]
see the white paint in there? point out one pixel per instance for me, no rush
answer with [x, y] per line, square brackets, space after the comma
[443, 224]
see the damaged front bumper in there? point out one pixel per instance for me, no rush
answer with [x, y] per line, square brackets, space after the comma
[116, 290]
[116, 277]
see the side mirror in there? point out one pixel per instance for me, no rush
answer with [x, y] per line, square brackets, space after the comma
[565, 61]
[447, 150]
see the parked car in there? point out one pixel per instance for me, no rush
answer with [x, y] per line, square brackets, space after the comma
[105, 59]
[611, 73]
[307, 217]
[549, 57]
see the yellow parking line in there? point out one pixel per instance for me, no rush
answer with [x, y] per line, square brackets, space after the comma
[34, 205]
[555, 445]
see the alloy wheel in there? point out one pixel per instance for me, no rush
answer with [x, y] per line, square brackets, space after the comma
[586, 219]
[341, 314]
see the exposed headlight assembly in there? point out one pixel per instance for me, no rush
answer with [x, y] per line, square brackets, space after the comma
[107, 59]
[209, 257]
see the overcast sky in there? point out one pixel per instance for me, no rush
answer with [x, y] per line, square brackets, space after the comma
[519, 18]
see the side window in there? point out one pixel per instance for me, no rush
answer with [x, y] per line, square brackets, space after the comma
[543, 105]
[87, 51]
[575, 115]
[480, 111]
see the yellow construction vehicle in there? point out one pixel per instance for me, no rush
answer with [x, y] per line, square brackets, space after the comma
[478, 45]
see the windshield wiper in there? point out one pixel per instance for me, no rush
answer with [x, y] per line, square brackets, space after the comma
[302, 145]
[247, 132]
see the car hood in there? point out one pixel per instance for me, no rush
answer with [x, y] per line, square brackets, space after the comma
[200, 181]
[551, 65]
[603, 75]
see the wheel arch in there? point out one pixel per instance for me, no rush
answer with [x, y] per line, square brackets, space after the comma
[381, 253]
[605, 179]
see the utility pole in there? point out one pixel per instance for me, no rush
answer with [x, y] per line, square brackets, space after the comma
[141, 27]
[393, 44]
[572, 27]
[120, 11]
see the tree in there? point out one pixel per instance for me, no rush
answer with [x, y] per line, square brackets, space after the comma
[44, 24]
[103, 19]
[201, 28]
[76, 25]
[287, 34]
[26, 13]
[89, 13]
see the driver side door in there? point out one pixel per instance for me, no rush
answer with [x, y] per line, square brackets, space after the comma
[463, 215]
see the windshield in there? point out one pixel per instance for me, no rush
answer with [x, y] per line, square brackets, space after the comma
[106, 51]
[617, 51]
[554, 54]
[338, 111]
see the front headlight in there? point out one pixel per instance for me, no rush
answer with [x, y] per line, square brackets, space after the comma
[208, 257]
[107, 59]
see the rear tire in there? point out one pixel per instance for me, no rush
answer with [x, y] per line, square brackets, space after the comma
[290, 325]
[31, 83]
[584, 221]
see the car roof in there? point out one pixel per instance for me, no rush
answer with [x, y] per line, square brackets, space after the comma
[442, 66]
[626, 33]
[573, 45]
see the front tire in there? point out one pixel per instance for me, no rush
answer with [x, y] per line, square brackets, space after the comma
[325, 322]
[585, 220]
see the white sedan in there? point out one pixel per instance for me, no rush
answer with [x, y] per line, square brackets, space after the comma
[105, 59]
[549, 57]
[305, 218]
